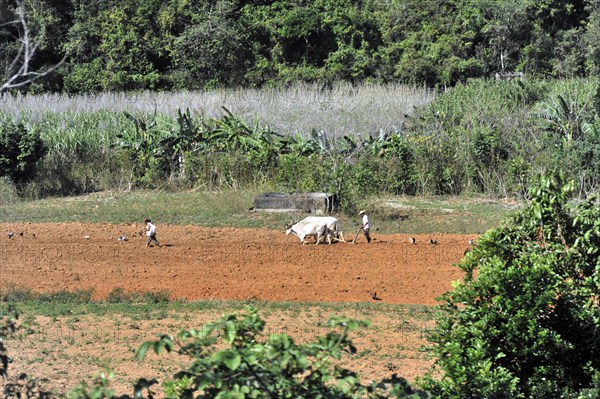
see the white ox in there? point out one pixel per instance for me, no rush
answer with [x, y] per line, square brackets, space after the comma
[333, 225]
[305, 229]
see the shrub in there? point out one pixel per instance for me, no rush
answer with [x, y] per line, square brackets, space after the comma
[256, 366]
[8, 326]
[20, 151]
[524, 322]
[250, 365]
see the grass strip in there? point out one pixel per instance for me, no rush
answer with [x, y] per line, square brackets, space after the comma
[389, 215]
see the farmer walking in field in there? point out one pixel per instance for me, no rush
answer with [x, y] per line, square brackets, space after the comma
[366, 225]
[150, 232]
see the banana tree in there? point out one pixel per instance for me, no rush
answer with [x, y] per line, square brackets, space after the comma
[187, 136]
[563, 117]
[141, 143]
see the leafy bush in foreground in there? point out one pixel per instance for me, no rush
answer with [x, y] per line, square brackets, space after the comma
[8, 326]
[273, 367]
[525, 321]
[250, 365]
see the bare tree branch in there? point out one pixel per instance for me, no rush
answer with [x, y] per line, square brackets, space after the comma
[8, 23]
[19, 72]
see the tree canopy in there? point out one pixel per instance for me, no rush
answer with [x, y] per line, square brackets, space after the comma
[193, 44]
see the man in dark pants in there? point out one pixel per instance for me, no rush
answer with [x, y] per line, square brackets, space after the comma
[150, 232]
[366, 225]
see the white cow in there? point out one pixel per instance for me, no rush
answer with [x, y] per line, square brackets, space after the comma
[333, 225]
[304, 229]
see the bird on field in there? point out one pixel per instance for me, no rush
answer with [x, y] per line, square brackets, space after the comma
[374, 296]
[10, 234]
[412, 240]
[471, 242]
[433, 242]
[122, 238]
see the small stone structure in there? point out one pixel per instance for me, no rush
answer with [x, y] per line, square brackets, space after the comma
[317, 203]
[509, 75]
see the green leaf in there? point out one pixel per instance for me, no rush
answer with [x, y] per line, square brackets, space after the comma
[233, 362]
[141, 352]
[218, 357]
[230, 331]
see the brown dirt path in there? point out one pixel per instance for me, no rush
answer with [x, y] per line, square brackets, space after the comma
[198, 263]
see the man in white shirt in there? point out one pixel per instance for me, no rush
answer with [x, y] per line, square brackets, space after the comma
[366, 225]
[150, 232]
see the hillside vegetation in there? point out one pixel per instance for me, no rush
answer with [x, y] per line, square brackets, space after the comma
[174, 45]
[357, 99]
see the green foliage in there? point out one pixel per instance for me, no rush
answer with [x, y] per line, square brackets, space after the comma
[115, 46]
[490, 136]
[118, 295]
[143, 147]
[483, 136]
[592, 37]
[24, 386]
[47, 23]
[99, 390]
[162, 45]
[20, 151]
[563, 118]
[214, 49]
[167, 151]
[20, 294]
[524, 321]
[232, 357]
[64, 296]
[8, 326]
[255, 366]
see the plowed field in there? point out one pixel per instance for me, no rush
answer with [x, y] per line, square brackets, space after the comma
[197, 263]
[224, 263]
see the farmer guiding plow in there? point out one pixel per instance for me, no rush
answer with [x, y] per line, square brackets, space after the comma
[364, 227]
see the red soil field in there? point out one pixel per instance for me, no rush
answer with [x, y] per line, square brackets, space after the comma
[197, 263]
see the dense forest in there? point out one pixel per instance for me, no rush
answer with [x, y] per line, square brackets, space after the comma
[198, 44]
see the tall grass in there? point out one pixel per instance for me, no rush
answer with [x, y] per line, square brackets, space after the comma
[342, 109]
[82, 132]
